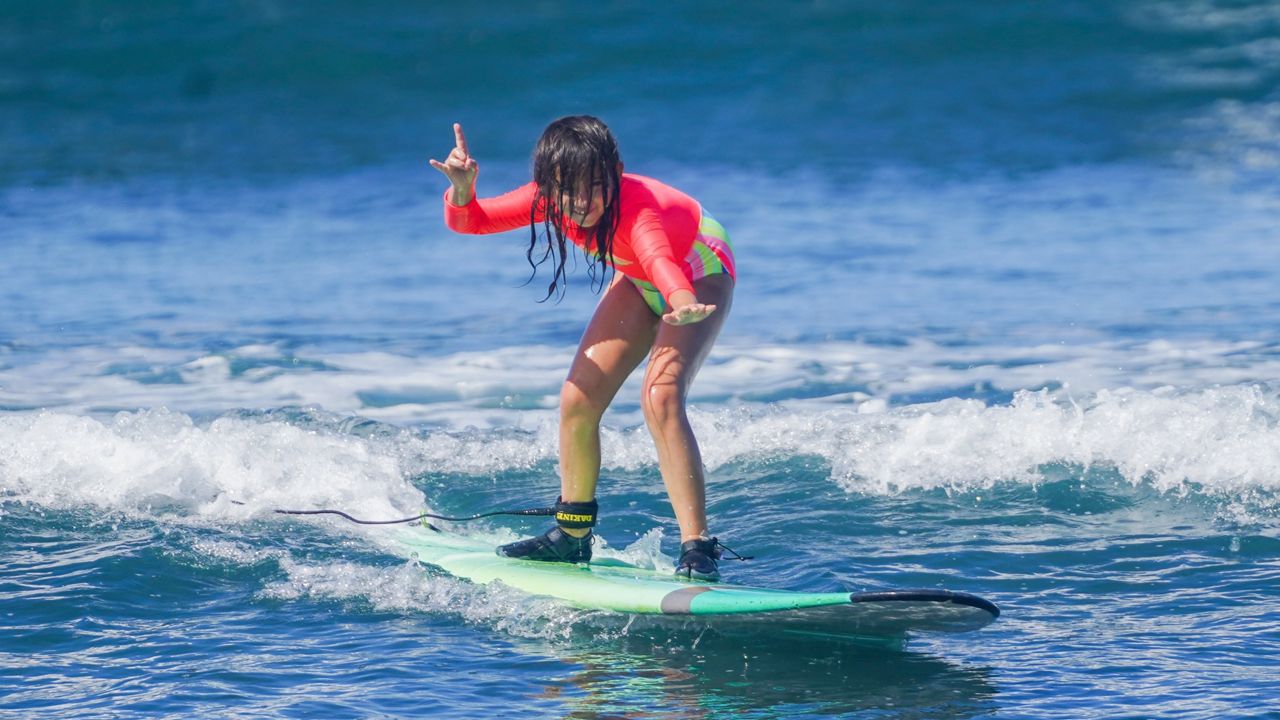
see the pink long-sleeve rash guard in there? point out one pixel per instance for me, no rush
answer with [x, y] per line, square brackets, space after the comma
[657, 226]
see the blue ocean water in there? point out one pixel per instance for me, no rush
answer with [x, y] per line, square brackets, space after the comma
[1006, 323]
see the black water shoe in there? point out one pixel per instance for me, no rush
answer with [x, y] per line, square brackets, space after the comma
[698, 560]
[554, 545]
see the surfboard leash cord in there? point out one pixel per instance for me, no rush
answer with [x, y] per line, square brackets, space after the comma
[416, 518]
[422, 517]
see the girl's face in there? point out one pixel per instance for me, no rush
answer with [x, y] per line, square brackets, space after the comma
[583, 205]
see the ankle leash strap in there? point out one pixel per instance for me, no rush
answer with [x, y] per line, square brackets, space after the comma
[576, 515]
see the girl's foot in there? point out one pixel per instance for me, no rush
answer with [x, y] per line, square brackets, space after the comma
[554, 545]
[698, 560]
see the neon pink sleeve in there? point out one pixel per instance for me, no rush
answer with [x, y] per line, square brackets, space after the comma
[652, 246]
[491, 215]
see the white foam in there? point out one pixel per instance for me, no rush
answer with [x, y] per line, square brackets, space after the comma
[162, 459]
[410, 588]
[645, 552]
[1224, 439]
[1220, 439]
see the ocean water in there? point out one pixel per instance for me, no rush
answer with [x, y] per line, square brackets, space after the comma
[1006, 323]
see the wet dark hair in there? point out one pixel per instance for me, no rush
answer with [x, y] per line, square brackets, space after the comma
[574, 152]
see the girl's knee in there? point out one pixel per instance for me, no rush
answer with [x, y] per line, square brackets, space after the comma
[663, 403]
[577, 404]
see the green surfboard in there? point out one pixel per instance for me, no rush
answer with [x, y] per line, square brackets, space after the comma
[610, 584]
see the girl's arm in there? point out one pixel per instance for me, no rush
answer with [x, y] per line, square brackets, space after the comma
[652, 247]
[462, 212]
[489, 215]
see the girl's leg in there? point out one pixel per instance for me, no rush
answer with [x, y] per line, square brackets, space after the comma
[620, 334]
[677, 354]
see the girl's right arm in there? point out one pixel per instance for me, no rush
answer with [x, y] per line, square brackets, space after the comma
[462, 212]
[460, 168]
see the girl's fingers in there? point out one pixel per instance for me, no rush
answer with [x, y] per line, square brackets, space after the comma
[689, 314]
[449, 168]
[460, 140]
[459, 159]
[455, 162]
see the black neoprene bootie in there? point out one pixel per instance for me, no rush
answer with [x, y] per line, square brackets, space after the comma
[699, 559]
[556, 545]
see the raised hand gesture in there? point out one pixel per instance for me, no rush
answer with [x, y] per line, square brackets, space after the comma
[459, 167]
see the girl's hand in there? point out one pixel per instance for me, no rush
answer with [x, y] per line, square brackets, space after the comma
[460, 168]
[689, 314]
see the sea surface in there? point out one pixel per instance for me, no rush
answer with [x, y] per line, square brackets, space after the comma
[1007, 322]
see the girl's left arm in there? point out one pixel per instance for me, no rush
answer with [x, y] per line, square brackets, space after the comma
[652, 247]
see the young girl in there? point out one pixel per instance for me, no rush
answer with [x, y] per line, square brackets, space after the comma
[669, 296]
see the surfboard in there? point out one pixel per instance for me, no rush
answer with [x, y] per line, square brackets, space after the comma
[611, 584]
